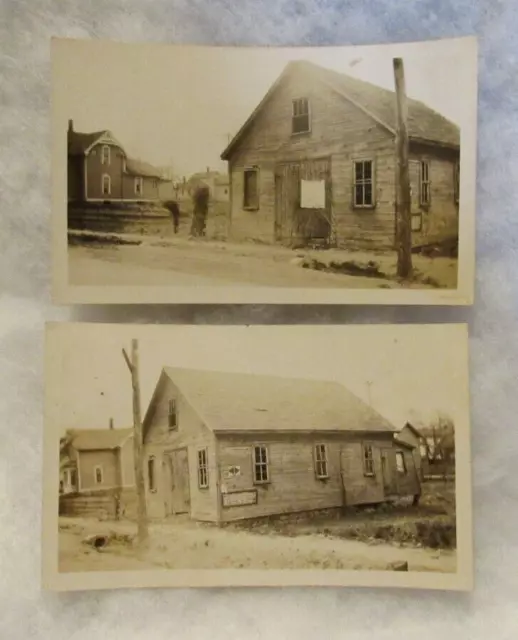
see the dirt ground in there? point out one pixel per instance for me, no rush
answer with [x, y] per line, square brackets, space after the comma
[181, 262]
[180, 543]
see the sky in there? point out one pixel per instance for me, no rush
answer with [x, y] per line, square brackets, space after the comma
[411, 372]
[179, 106]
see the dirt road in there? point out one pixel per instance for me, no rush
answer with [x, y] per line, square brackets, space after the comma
[192, 264]
[184, 544]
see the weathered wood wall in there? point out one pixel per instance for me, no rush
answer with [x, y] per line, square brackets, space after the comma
[103, 504]
[86, 463]
[190, 433]
[344, 133]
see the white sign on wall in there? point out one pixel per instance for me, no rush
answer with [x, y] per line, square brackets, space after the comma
[313, 194]
[239, 498]
[233, 472]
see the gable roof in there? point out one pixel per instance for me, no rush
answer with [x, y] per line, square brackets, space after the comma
[257, 403]
[78, 142]
[98, 439]
[140, 168]
[424, 124]
[411, 428]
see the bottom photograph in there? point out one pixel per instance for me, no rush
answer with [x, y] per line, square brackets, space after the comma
[256, 456]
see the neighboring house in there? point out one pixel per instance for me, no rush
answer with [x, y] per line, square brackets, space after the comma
[315, 162]
[97, 459]
[227, 446]
[67, 467]
[99, 170]
[218, 184]
[411, 436]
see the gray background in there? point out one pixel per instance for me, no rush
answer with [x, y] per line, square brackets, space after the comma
[25, 612]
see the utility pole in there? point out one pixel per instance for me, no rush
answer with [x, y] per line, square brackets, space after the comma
[133, 366]
[403, 203]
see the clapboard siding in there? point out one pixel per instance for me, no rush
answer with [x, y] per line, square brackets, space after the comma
[293, 485]
[190, 433]
[107, 503]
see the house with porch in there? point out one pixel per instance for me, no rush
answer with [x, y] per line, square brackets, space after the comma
[224, 446]
[314, 163]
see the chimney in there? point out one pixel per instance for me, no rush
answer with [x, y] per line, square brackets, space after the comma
[208, 170]
[70, 126]
[111, 423]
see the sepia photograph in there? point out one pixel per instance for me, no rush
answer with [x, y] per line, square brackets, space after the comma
[261, 455]
[264, 175]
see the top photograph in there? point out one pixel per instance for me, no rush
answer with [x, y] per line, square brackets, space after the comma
[260, 175]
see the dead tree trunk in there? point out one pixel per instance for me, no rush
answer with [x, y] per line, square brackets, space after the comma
[403, 203]
[142, 525]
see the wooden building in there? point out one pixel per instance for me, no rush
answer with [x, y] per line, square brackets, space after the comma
[226, 446]
[315, 163]
[411, 436]
[99, 170]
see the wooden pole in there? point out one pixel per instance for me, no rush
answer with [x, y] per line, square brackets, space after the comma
[133, 366]
[403, 203]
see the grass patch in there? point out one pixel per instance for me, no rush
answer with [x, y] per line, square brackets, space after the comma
[86, 239]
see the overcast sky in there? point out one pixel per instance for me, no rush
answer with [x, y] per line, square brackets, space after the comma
[179, 105]
[406, 373]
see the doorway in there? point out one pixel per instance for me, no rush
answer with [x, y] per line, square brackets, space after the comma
[178, 494]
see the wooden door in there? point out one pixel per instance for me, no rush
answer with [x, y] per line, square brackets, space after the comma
[178, 491]
[388, 469]
[293, 222]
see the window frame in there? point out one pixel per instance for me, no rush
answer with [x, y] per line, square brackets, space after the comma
[261, 464]
[106, 176]
[246, 205]
[203, 467]
[416, 216]
[106, 158]
[401, 456]
[138, 180]
[321, 463]
[425, 195]
[172, 425]
[363, 182]
[99, 468]
[368, 460]
[306, 114]
[151, 463]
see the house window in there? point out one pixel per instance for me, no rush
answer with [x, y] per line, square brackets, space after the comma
[321, 469]
[424, 192]
[106, 185]
[172, 415]
[138, 186]
[261, 471]
[98, 475]
[151, 473]
[417, 222]
[105, 154]
[251, 189]
[203, 469]
[300, 116]
[400, 462]
[73, 478]
[363, 183]
[456, 182]
[423, 451]
[368, 460]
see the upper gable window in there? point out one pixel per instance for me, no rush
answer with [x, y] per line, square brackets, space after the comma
[172, 415]
[105, 154]
[300, 120]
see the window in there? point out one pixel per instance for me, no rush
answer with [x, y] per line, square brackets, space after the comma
[105, 154]
[73, 478]
[423, 450]
[106, 185]
[203, 469]
[138, 186]
[251, 189]
[98, 475]
[363, 183]
[424, 192]
[321, 461]
[400, 462]
[456, 182]
[368, 460]
[261, 471]
[151, 473]
[172, 416]
[300, 116]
